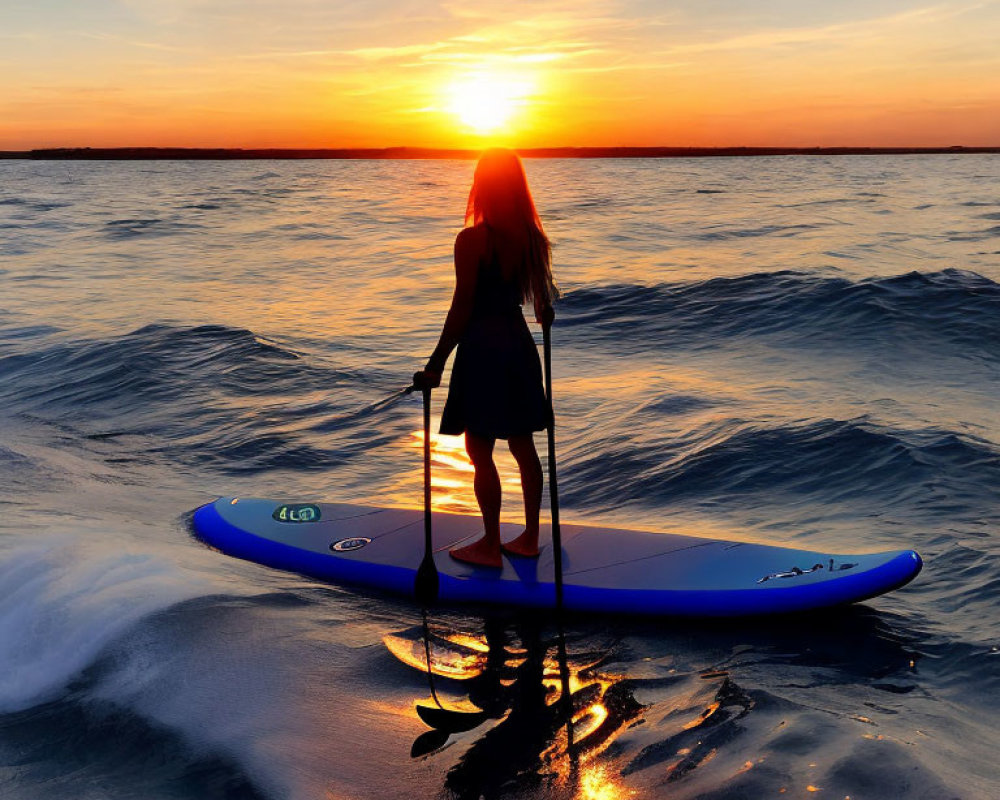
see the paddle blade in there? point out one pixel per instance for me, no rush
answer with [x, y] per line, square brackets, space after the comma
[425, 587]
[428, 742]
[452, 721]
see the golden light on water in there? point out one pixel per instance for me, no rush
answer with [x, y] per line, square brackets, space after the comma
[472, 642]
[463, 656]
[700, 719]
[596, 784]
[457, 665]
[590, 720]
[448, 451]
[452, 474]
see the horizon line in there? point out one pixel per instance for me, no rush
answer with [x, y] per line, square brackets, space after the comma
[407, 152]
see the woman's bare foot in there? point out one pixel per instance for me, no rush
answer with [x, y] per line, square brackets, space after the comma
[481, 553]
[525, 545]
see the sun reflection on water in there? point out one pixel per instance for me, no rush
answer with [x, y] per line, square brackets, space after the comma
[596, 784]
[452, 475]
[514, 702]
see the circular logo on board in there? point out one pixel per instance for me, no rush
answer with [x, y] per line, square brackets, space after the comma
[354, 543]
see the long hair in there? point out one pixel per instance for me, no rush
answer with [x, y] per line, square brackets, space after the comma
[500, 197]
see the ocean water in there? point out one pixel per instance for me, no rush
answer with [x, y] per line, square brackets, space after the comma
[795, 350]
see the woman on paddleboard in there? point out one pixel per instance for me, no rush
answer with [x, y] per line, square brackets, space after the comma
[502, 260]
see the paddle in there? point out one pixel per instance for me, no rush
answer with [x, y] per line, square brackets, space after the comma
[451, 720]
[553, 488]
[425, 587]
[566, 694]
[445, 721]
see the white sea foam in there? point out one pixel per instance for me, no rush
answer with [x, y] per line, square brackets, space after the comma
[215, 674]
[216, 677]
[63, 600]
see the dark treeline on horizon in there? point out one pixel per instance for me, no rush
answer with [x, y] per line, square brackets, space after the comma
[203, 153]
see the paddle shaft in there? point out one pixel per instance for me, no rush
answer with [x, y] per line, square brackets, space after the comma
[426, 584]
[566, 695]
[428, 542]
[553, 486]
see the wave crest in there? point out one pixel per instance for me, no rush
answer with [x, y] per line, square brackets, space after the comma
[827, 461]
[959, 308]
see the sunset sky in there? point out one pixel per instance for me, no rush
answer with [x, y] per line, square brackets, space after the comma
[327, 73]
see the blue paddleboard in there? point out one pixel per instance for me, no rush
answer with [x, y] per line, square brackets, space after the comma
[604, 569]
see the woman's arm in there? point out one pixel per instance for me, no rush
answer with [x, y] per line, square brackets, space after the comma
[468, 249]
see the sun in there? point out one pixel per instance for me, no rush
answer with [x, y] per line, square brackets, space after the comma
[486, 101]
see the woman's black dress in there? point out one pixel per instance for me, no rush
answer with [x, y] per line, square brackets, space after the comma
[496, 381]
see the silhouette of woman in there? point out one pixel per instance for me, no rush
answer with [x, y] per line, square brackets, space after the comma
[502, 260]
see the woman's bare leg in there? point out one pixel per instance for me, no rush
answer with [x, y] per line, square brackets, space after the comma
[523, 450]
[485, 551]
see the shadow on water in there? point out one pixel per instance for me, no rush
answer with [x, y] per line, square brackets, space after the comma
[535, 711]
[537, 706]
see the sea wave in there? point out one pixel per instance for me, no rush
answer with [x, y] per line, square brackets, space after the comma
[937, 473]
[157, 363]
[814, 392]
[112, 635]
[210, 395]
[956, 307]
[130, 228]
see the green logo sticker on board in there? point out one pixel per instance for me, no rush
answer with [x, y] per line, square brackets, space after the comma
[296, 512]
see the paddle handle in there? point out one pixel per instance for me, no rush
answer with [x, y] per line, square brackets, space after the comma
[553, 484]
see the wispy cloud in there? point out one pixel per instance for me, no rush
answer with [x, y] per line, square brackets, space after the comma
[852, 32]
[390, 53]
[144, 45]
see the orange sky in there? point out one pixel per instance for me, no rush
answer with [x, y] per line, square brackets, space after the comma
[319, 73]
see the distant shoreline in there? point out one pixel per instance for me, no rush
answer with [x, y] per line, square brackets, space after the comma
[229, 154]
